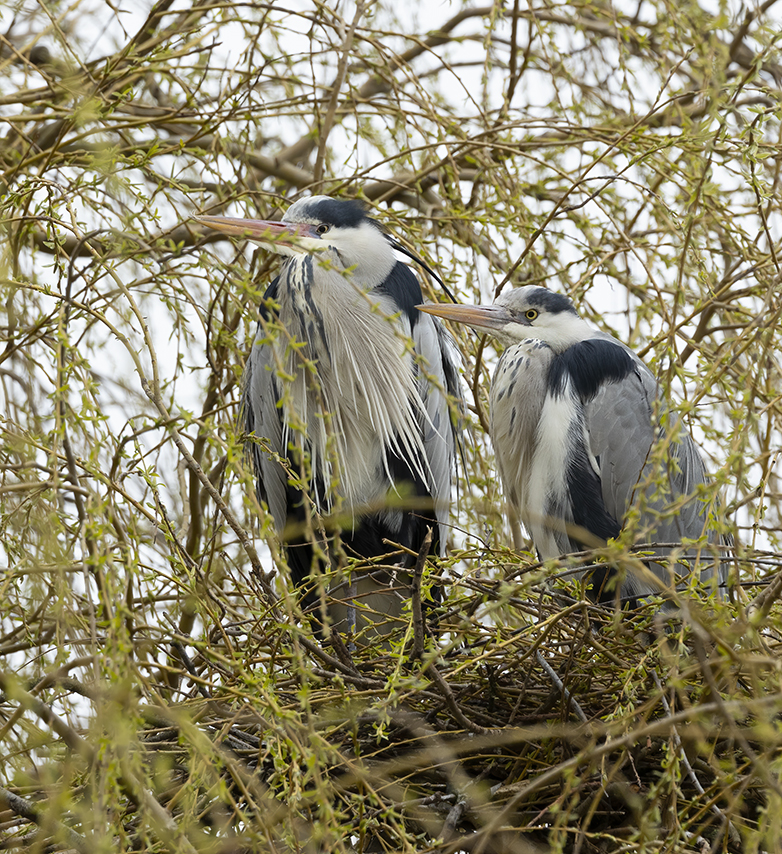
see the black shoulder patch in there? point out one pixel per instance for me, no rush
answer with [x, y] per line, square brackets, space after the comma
[299, 547]
[590, 364]
[405, 290]
[341, 213]
[550, 302]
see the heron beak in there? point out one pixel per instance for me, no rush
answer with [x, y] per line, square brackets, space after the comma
[282, 237]
[489, 317]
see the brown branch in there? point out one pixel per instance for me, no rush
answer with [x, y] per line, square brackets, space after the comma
[331, 111]
[419, 631]
[450, 700]
[21, 807]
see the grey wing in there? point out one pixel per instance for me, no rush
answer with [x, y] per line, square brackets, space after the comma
[438, 380]
[620, 431]
[645, 456]
[646, 459]
[261, 418]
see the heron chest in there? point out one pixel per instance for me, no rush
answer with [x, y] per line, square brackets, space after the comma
[357, 365]
[349, 385]
[517, 399]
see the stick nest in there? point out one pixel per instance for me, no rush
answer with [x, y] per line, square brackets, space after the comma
[522, 723]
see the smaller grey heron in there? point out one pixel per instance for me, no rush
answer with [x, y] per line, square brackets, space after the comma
[583, 440]
[348, 393]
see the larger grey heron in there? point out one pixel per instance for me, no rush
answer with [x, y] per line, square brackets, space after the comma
[582, 438]
[346, 393]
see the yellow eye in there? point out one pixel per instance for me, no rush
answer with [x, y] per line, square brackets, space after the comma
[531, 313]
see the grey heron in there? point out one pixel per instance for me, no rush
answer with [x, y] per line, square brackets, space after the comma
[348, 389]
[583, 440]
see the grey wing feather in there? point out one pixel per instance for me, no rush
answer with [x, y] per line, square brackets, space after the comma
[647, 458]
[620, 431]
[262, 421]
[438, 379]
[624, 421]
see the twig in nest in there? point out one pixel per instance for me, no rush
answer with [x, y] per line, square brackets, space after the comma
[453, 819]
[343, 653]
[450, 700]
[758, 608]
[190, 667]
[21, 807]
[735, 838]
[415, 594]
[560, 685]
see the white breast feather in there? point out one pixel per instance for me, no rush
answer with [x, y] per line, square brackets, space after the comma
[546, 485]
[360, 386]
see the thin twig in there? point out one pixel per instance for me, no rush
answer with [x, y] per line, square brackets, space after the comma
[419, 632]
[21, 807]
[560, 685]
[336, 88]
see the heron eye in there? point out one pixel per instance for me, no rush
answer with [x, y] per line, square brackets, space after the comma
[322, 229]
[531, 313]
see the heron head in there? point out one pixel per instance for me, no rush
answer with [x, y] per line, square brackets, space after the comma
[527, 312]
[320, 224]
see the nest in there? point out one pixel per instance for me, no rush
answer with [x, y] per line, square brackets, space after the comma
[518, 723]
